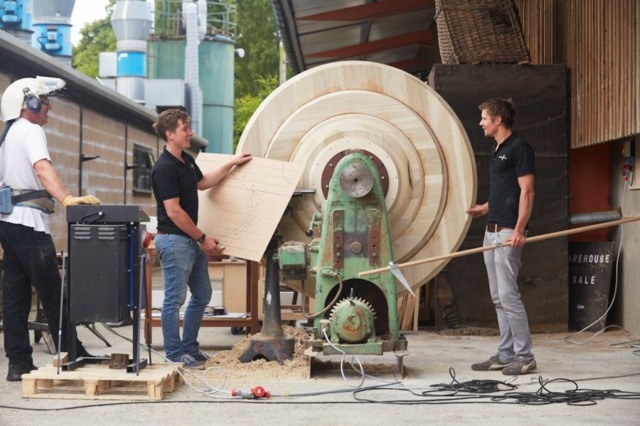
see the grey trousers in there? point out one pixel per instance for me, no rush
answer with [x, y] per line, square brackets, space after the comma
[503, 265]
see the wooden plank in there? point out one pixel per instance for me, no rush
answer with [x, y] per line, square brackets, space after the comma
[98, 381]
[243, 211]
[416, 310]
[234, 286]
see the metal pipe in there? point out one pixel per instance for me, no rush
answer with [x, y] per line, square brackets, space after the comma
[80, 147]
[131, 22]
[272, 323]
[271, 343]
[192, 66]
[595, 217]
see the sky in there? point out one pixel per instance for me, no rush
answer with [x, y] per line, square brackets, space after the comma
[84, 12]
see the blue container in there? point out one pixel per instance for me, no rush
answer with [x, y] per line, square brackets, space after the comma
[17, 14]
[54, 39]
[132, 64]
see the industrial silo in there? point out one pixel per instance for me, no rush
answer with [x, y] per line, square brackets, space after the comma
[131, 22]
[168, 58]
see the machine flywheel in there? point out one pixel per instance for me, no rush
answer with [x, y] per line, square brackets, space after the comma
[419, 145]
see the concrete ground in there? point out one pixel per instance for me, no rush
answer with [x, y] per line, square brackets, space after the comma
[600, 362]
[605, 363]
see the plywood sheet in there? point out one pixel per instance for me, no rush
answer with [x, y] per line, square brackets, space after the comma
[244, 210]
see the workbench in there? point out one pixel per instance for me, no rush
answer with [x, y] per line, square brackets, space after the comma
[232, 273]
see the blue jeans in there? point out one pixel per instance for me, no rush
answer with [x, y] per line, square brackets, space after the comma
[503, 265]
[184, 265]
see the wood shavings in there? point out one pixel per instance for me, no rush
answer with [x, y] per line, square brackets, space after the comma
[225, 366]
[297, 367]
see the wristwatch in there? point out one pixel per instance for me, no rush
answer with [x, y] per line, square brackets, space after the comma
[201, 239]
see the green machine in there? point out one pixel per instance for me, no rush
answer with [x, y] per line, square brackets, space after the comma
[388, 172]
[352, 315]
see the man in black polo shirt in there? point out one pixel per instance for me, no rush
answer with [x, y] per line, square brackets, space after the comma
[183, 248]
[511, 194]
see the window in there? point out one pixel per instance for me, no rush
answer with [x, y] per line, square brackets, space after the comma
[143, 161]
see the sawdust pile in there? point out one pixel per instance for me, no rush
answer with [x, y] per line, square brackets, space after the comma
[225, 367]
[297, 367]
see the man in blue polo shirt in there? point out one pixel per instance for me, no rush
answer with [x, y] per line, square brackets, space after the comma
[181, 246]
[511, 194]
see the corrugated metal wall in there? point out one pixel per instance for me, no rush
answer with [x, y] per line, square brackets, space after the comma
[599, 41]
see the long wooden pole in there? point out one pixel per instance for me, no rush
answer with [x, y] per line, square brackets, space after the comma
[493, 247]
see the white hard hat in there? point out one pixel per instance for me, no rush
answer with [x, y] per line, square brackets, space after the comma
[14, 99]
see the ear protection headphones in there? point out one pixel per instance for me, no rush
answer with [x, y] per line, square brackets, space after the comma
[31, 101]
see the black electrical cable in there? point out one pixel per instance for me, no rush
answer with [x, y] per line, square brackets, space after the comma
[455, 392]
[472, 386]
[482, 391]
[575, 396]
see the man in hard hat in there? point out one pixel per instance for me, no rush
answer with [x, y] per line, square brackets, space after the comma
[30, 186]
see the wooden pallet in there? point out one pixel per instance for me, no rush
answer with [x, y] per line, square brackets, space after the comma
[98, 381]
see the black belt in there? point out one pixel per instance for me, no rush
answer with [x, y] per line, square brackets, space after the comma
[494, 227]
[29, 195]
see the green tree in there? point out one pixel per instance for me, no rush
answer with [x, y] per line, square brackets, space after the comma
[256, 75]
[97, 37]
[258, 36]
[246, 105]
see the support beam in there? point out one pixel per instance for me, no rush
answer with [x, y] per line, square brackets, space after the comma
[370, 10]
[422, 38]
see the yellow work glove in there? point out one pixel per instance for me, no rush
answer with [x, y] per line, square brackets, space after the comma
[70, 200]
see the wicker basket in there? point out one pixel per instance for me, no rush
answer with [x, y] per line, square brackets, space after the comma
[480, 31]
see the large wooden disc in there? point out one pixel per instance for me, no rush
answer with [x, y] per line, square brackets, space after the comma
[405, 125]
